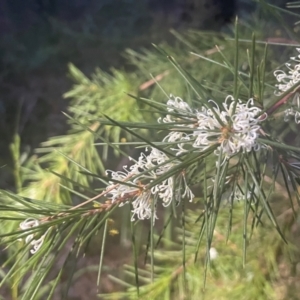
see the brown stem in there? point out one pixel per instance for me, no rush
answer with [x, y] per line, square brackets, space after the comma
[279, 103]
[282, 101]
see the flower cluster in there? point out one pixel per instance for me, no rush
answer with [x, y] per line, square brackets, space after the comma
[185, 118]
[285, 82]
[238, 129]
[28, 224]
[144, 171]
[235, 127]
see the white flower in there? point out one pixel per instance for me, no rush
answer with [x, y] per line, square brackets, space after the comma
[182, 112]
[179, 106]
[239, 131]
[27, 224]
[122, 190]
[285, 82]
[142, 207]
[145, 170]
[31, 223]
[37, 244]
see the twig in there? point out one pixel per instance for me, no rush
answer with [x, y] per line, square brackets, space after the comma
[160, 76]
[150, 82]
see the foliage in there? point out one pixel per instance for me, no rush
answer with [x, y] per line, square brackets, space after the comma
[219, 148]
[226, 278]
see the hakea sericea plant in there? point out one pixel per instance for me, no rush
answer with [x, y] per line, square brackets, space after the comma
[285, 82]
[233, 129]
[227, 130]
[145, 170]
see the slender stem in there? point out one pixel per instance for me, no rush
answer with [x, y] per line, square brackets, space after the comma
[102, 254]
[278, 145]
[281, 102]
[236, 64]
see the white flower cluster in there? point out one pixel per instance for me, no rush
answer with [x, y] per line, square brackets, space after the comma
[181, 108]
[285, 82]
[233, 130]
[239, 131]
[31, 223]
[144, 171]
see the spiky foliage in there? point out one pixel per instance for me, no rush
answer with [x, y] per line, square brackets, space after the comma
[215, 145]
[180, 277]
